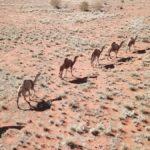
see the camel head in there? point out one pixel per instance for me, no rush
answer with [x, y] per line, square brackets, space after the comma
[38, 74]
[135, 37]
[75, 58]
[103, 47]
[36, 77]
[122, 42]
[113, 43]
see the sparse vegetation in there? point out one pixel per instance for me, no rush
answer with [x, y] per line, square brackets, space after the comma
[94, 131]
[81, 128]
[147, 128]
[98, 5]
[145, 111]
[147, 137]
[139, 97]
[109, 109]
[133, 88]
[84, 6]
[74, 106]
[129, 107]
[56, 3]
[73, 145]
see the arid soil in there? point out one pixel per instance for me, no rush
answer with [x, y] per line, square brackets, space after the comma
[109, 110]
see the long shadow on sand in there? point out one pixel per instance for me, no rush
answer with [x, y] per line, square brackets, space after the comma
[42, 105]
[140, 51]
[125, 59]
[81, 80]
[4, 129]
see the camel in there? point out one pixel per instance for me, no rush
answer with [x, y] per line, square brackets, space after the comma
[114, 48]
[68, 63]
[96, 54]
[26, 86]
[132, 42]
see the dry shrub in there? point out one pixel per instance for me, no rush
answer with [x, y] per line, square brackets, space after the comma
[56, 3]
[98, 5]
[84, 6]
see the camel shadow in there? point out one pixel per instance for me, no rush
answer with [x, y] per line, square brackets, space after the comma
[148, 48]
[141, 51]
[79, 80]
[4, 129]
[42, 105]
[125, 59]
[108, 66]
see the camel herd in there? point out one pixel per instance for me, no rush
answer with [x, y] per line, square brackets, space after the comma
[28, 85]
[95, 55]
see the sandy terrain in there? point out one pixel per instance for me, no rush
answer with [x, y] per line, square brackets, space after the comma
[110, 112]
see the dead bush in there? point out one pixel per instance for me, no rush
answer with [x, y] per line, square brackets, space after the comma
[73, 145]
[84, 6]
[56, 3]
[97, 4]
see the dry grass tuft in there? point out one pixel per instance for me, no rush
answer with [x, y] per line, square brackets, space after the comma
[73, 145]
[97, 4]
[84, 6]
[56, 3]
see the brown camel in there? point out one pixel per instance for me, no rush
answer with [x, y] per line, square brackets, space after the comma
[68, 63]
[114, 48]
[132, 42]
[96, 54]
[26, 86]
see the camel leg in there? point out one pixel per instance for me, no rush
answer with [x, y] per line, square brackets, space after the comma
[19, 95]
[98, 61]
[110, 56]
[26, 100]
[71, 72]
[116, 54]
[33, 90]
[60, 74]
[66, 72]
[134, 47]
[18, 101]
[29, 95]
[129, 48]
[92, 62]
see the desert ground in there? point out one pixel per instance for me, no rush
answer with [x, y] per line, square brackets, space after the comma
[109, 109]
